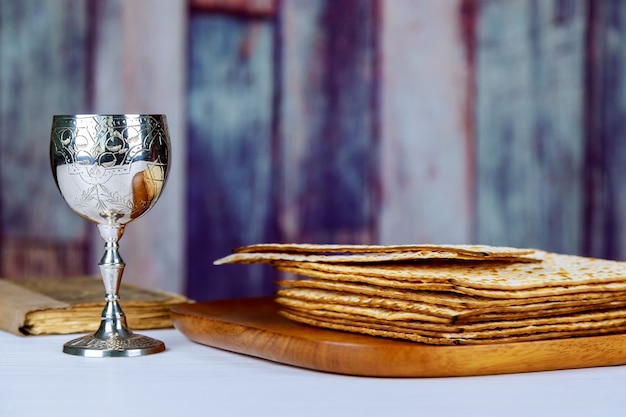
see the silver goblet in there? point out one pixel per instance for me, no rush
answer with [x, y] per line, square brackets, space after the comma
[110, 170]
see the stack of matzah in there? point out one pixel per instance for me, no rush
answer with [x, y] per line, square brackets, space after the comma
[446, 294]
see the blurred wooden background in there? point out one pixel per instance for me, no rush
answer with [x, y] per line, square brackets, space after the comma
[356, 121]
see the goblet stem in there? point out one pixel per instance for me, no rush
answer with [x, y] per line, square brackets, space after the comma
[113, 323]
[113, 338]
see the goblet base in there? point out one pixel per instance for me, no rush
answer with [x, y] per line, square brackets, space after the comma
[94, 347]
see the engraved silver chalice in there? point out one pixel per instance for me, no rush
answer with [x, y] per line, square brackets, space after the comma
[110, 169]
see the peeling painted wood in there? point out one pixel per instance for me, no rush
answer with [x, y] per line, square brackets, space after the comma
[261, 8]
[328, 121]
[497, 122]
[529, 132]
[426, 140]
[229, 167]
[36, 257]
[42, 51]
[139, 66]
[605, 215]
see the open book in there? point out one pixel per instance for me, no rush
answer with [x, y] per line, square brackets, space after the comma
[74, 305]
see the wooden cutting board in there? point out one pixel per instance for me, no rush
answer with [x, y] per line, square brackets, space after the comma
[253, 327]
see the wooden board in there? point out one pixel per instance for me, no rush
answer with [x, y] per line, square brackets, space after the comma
[253, 327]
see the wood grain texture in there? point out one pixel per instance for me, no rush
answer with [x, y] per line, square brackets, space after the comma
[328, 116]
[281, 125]
[43, 72]
[426, 145]
[529, 131]
[36, 257]
[605, 215]
[262, 8]
[253, 327]
[44, 65]
[139, 67]
[495, 122]
[229, 166]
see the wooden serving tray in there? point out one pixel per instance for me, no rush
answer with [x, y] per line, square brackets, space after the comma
[253, 327]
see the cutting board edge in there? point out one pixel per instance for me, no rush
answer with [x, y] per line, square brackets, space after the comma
[213, 335]
[416, 361]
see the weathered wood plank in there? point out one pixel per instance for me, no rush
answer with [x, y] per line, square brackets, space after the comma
[262, 8]
[139, 67]
[426, 145]
[605, 214]
[328, 121]
[230, 195]
[44, 62]
[529, 133]
[42, 50]
[36, 257]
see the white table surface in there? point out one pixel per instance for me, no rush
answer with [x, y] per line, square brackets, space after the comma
[37, 379]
